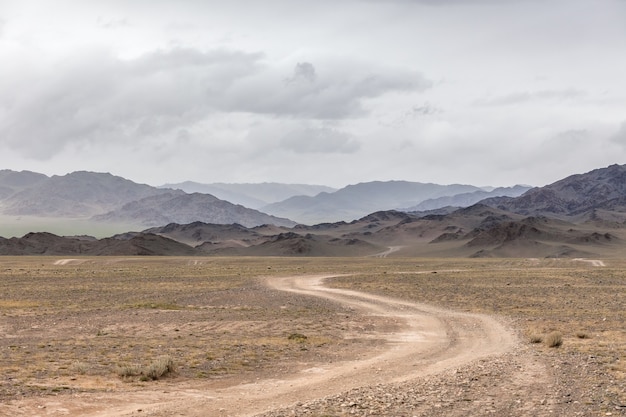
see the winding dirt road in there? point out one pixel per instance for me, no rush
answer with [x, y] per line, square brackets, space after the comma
[430, 341]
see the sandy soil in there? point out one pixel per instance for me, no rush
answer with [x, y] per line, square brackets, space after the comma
[429, 341]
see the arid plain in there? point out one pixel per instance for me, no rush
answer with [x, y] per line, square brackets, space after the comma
[105, 336]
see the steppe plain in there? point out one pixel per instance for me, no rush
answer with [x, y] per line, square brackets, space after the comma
[240, 338]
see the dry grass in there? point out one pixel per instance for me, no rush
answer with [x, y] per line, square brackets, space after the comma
[554, 339]
[214, 320]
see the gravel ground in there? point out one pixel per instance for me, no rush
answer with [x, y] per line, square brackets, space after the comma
[521, 383]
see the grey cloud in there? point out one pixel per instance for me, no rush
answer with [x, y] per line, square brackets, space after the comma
[304, 71]
[524, 97]
[320, 140]
[95, 97]
[336, 93]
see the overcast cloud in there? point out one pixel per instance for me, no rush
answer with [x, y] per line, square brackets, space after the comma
[483, 92]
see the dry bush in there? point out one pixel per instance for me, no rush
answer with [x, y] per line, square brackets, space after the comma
[128, 371]
[297, 337]
[161, 367]
[79, 367]
[536, 338]
[582, 335]
[554, 339]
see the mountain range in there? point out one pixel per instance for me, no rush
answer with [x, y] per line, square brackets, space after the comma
[580, 216]
[254, 196]
[104, 202]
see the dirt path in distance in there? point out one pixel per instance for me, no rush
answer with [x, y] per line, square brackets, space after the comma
[430, 341]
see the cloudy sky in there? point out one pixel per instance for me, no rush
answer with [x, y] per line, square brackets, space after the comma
[483, 92]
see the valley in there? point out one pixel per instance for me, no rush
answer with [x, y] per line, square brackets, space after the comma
[253, 336]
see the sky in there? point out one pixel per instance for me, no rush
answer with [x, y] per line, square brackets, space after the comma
[481, 92]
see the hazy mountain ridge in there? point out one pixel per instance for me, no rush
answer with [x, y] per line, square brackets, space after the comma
[468, 199]
[78, 194]
[251, 195]
[580, 216]
[355, 201]
[107, 198]
[178, 207]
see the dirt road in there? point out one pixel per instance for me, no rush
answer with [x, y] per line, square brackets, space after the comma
[430, 340]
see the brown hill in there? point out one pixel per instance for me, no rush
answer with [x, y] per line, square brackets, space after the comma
[49, 244]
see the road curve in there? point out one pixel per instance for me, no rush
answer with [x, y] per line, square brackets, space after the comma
[430, 340]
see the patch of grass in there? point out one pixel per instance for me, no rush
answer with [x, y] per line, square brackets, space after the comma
[297, 337]
[79, 367]
[554, 339]
[128, 371]
[536, 338]
[159, 368]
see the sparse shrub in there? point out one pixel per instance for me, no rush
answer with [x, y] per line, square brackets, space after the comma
[79, 367]
[536, 338]
[128, 371]
[582, 335]
[554, 339]
[297, 337]
[161, 367]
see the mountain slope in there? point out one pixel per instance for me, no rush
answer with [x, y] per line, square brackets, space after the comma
[178, 207]
[12, 182]
[468, 199]
[355, 201]
[79, 194]
[251, 195]
[578, 196]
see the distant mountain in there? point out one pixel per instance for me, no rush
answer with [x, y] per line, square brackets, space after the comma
[49, 244]
[113, 200]
[179, 207]
[79, 194]
[468, 199]
[251, 195]
[578, 197]
[12, 182]
[355, 201]
[580, 216]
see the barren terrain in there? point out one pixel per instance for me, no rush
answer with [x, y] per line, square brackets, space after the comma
[319, 337]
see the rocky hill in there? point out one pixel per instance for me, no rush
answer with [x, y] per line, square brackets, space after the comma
[179, 207]
[79, 194]
[49, 244]
[578, 197]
